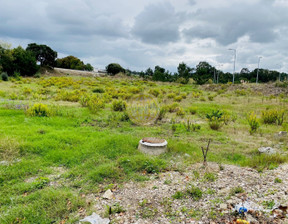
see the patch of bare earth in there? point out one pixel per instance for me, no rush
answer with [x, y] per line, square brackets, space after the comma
[152, 201]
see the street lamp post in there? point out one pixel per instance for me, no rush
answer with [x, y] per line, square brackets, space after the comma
[258, 69]
[231, 49]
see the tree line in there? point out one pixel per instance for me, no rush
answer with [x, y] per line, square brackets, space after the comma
[203, 73]
[26, 62]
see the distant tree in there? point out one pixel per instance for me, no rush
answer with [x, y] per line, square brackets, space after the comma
[88, 67]
[18, 60]
[204, 72]
[160, 74]
[6, 60]
[114, 69]
[184, 72]
[43, 54]
[149, 72]
[24, 62]
[244, 71]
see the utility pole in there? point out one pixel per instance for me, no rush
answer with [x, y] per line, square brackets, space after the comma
[258, 69]
[231, 49]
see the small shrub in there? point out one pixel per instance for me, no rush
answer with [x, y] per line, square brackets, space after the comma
[119, 105]
[180, 112]
[154, 92]
[173, 107]
[253, 121]
[171, 95]
[192, 110]
[178, 195]
[194, 192]
[162, 112]
[4, 76]
[272, 117]
[215, 123]
[210, 98]
[95, 103]
[39, 110]
[98, 90]
[178, 98]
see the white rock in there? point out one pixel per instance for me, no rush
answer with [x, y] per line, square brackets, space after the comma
[223, 206]
[108, 195]
[267, 150]
[95, 219]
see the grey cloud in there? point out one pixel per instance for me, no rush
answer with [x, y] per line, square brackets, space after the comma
[157, 24]
[227, 25]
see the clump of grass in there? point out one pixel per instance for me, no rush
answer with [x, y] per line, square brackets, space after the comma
[178, 195]
[209, 177]
[277, 180]
[264, 161]
[178, 98]
[114, 209]
[236, 190]
[180, 112]
[154, 92]
[189, 126]
[39, 110]
[194, 192]
[269, 204]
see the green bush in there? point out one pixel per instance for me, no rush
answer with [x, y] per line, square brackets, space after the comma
[154, 92]
[98, 90]
[180, 112]
[119, 105]
[4, 76]
[178, 98]
[39, 110]
[215, 119]
[272, 116]
[192, 110]
[95, 103]
[114, 68]
[253, 121]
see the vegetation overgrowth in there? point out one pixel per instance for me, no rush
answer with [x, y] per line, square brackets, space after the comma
[66, 137]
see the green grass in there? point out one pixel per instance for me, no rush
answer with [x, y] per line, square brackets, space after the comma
[96, 149]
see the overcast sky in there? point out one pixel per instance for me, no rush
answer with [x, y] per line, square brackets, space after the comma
[143, 33]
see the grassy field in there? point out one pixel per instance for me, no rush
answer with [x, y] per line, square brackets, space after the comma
[80, 139]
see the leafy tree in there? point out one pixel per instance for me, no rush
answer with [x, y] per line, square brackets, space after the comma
[184, 72]
[43, 54]
[18, 60]
[24, 62]
[6, 60]
[72, 62]
[88, 67]
[114, 69]
[204, 72]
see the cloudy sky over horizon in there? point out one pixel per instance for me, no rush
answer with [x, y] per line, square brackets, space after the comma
[144, 33]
